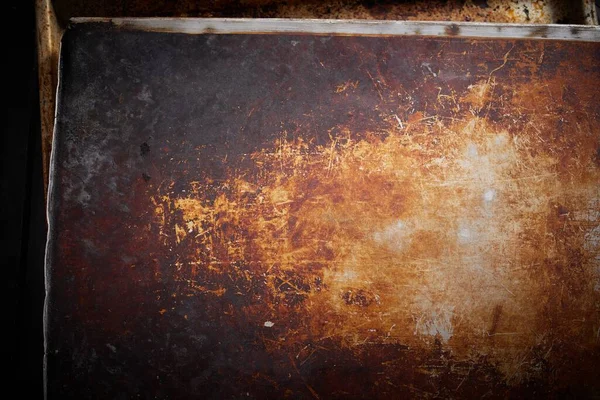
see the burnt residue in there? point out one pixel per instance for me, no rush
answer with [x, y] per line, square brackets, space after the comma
[359, 297]
[562, 211]
[327, 217]
[539, 31]
[452, 30]
[144, 149]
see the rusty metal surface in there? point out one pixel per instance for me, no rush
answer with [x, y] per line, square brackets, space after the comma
[314, 216]
[501, 11]
[48, 35]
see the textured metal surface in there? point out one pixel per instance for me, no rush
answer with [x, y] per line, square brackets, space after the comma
[48, 35]
[365, 28]
[502, 11]
[315, 216]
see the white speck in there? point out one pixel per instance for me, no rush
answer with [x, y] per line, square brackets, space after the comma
[294, 42]
[346, 275]
[268, 324]
[472, 150]
[489, 195]
[437, 322]
[428, 66]
[464, 234]
[476, 267]
[500, 140]
[395, 236]
[399, 121]
[145, 95]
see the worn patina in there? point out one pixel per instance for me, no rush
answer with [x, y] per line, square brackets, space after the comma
[317, 216]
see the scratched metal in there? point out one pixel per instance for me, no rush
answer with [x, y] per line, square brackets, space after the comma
[312, 216]
[50, 23]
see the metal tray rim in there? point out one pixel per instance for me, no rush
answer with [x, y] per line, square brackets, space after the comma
[353, 27]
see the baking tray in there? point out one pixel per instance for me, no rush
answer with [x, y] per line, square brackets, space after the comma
[324, 209]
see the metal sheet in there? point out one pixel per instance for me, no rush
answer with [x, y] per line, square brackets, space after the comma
[309, 215]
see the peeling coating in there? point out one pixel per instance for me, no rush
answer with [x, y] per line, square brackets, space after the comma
[369, 217]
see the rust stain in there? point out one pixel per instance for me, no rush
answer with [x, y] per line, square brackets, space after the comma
[523, 11]
[422, 229]
[48, 34]
[412, 236]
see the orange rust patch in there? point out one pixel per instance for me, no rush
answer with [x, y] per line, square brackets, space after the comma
[431, 232]
[446, 233]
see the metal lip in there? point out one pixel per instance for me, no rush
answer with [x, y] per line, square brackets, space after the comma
[51, 207]
[196, 26]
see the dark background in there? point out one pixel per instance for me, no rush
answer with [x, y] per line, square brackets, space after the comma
[22, 218]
